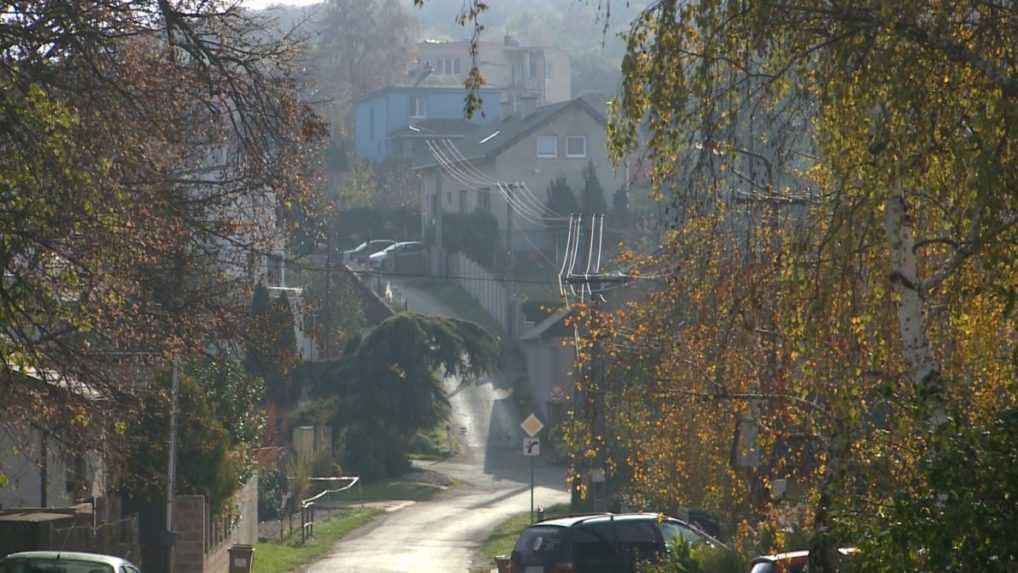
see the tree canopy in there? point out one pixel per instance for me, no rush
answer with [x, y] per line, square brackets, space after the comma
[837, 297]
[388, 385]
[146, 148]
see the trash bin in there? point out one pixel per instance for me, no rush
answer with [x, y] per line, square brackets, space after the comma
[241, 559]
[502, 562]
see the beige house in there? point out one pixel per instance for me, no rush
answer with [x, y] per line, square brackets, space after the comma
[508, 167]
[518, 71]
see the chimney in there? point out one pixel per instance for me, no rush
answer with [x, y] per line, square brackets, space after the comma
[528, 104]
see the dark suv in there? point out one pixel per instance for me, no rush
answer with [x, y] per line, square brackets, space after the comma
[599, 543]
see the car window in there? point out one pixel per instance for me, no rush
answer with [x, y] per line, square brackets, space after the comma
[672, 532]
[42, 565]
[611, 547]
[538, 545]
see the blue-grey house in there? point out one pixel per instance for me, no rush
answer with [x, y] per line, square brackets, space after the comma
[380, 113]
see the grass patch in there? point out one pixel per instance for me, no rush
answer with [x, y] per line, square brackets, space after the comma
[502, 540]
[432, 444]
[272, 557]
[458, 301]
[399, 489]
[385, 490]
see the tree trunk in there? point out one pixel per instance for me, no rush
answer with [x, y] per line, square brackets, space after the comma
[924, 370]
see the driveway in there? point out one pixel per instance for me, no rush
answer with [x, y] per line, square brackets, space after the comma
[442, 535]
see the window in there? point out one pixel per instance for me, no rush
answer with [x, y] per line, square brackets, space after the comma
[484, 200]
[371, 122]
[416, 106]
[75, 478]
[547, 69]
[547, 146]
[456, 66]
[448, 197]
[533, 68]
[463, 200]
[576, 146]
[274, 270]
[32, 564]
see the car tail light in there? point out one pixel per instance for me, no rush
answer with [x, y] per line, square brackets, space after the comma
[563, 568]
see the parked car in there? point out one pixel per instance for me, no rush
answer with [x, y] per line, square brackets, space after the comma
[599, 543]
[64, 562]
[792, 562]
[387, 256]
[360, 253]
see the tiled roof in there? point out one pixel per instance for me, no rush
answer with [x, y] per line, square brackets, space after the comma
[487, 141]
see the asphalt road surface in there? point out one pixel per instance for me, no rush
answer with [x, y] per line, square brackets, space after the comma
[442, 535]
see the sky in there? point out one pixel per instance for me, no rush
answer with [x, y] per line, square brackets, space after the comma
[259, 4]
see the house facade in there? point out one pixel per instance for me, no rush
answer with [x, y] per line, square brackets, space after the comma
[508, 167]
[40, 468]
[519, 71]
[395, 108]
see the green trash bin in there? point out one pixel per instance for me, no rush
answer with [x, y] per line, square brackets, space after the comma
[241, 559]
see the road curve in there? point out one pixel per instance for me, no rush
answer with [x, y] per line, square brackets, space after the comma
[442, 535]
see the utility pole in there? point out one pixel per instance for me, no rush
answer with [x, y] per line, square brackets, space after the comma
[43, 468]
[510, 263]
[171, 471]
[327, 303]
[594, 401]
[437, 212]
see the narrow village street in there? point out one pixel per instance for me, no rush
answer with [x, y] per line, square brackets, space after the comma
[492, 484]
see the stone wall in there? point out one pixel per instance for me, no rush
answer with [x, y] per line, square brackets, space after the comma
[189, 516]
[195, 550]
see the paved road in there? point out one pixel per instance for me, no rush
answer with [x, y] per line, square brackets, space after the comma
[443, 534]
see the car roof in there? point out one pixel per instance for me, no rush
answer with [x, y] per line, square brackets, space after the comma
[70, 555]
[571, 520]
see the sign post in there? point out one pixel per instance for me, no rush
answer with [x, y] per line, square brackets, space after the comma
[531, 449]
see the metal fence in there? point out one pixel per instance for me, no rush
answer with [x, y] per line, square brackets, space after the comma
[301, 521]
[486, 288]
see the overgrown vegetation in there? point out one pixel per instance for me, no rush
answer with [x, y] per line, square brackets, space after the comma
[387, 386]
[220, 420]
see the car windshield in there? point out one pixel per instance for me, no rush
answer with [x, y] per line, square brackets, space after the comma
[538, 545]
[53, 565]
[672, 532]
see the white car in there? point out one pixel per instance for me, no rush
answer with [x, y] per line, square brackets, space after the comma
[64, 562]
[360, 254]
[379, 259]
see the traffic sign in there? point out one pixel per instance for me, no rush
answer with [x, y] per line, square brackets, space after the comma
[532, 425]
[531, 446]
